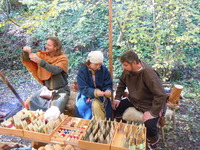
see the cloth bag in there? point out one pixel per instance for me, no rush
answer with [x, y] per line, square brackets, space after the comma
[46, 93]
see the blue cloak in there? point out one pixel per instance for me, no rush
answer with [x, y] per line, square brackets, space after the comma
[86, 88]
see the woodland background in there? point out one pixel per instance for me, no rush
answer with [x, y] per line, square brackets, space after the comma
[164, 33]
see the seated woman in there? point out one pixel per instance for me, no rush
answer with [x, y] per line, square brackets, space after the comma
[95, 88]
[50, 68]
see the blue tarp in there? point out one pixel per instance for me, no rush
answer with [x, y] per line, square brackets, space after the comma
[8, 110]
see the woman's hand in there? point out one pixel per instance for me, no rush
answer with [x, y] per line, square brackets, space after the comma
[35, 58]
[99, 93]
[107, 93]
[27, 49]
[88, 100]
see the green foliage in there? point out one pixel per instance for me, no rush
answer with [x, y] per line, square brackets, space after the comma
[164, 33]
[160, 33]
[76, 59]
[9, 5]
[117, 66]
[71, 20]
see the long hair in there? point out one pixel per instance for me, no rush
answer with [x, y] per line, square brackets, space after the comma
[56, 43]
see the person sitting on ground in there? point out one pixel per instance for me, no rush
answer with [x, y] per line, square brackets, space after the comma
[146, 93]
[50, 68]
[95, 89]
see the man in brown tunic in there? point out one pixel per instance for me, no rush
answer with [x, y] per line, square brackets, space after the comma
[146, 93]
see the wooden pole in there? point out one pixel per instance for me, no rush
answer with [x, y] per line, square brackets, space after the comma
[12, 89]
[110, 39]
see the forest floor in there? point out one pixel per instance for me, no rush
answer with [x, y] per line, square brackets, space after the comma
[185, 136]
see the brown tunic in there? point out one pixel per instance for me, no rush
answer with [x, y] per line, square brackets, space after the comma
[145, 89]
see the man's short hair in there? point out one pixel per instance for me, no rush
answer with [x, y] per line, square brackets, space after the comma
[129, 57]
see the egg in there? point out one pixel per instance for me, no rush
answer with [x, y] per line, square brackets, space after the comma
[49, 147]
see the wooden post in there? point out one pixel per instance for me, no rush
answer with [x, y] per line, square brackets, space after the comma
[12, 89]
[174, 97]
[110, 39]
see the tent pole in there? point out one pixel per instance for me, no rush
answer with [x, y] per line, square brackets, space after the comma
[110, 39]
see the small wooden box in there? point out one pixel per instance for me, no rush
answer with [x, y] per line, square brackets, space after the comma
[9, 131]
[119, 137]
[85, 144]
[70, 131]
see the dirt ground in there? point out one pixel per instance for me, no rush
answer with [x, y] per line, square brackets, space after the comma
[186, 135]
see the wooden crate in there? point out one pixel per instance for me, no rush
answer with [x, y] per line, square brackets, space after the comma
[36, 136]
[93, 145]
[42, 137]
[9, 131]
[119, 137]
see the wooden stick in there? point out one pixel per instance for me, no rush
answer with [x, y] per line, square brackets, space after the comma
[174, 97]
[12, 89]
[110, 39]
